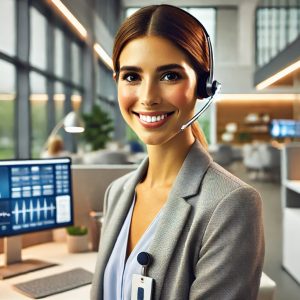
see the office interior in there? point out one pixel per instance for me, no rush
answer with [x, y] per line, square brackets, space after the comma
[55, 58]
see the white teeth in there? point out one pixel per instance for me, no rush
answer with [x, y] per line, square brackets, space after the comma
[152, 119]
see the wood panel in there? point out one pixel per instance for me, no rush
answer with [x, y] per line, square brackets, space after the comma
[236, 111]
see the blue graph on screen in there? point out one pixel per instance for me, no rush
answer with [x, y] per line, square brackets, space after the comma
[34, 212]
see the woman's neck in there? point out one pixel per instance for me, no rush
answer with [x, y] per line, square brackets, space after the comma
[166, 160]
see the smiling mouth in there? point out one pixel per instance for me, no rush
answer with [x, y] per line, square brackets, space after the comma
[153, 118]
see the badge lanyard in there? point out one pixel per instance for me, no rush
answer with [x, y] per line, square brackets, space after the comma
[142, 285]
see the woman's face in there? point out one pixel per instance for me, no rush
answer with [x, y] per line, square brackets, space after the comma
[156, 88]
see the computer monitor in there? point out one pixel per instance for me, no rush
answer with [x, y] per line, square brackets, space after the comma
[35, 195]
[284, 128]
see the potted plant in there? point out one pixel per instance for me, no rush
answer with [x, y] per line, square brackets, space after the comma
[98, 128]
[77, 239]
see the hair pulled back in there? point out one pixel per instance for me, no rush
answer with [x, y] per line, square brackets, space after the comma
[179, 27]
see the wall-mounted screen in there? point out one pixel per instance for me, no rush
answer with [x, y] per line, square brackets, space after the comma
[284, 128]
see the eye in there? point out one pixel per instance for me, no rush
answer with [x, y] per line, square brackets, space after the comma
[130, 77]
[171, 76]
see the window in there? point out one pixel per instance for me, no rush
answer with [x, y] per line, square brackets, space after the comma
[7, 27]
[38, 103]
[293, 24]
[59, 100]
[7, 111]
[276, 28]
[282, 28]
[38, 34]
[207, 17]
[76, 63]
[58, 52]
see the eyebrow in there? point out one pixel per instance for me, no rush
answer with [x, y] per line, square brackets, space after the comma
[160, 68]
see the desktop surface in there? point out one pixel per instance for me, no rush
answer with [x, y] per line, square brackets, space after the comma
[57, 253]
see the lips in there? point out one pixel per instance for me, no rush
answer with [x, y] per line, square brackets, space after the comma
[153, 119]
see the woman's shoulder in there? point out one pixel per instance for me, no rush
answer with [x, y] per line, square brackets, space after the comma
[222, 184]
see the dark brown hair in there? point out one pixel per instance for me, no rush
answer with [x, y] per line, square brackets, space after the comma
[177, 26]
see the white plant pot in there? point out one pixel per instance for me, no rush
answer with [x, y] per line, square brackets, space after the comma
[77, 243]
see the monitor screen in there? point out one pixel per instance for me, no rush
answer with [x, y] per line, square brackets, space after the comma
[35, 195]
[284, 128]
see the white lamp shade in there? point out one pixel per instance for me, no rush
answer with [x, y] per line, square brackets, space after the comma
[73, 123]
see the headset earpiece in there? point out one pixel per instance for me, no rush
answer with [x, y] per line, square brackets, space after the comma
[201, 85]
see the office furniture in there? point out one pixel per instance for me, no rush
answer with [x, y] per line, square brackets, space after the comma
[105, 156]
[267, 288]
[290, 193]
[270, 157]
[57, 253]
[263, 160]
[89, 183]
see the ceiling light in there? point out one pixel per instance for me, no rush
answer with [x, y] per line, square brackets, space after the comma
[278, 75]
[103, 55]
[71, 18]
[258, 97]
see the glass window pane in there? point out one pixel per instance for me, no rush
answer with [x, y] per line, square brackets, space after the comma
[76, 65]
[267, 18]
[8, 27]
[282, 28]
[38, 26]
[38, 102]
[259, 37]
[59, 52]
[273, 37]
[207, 17]
[293, 30]
[59, 100]
[7, 112]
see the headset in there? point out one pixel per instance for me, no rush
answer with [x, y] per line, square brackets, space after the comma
[212, 87]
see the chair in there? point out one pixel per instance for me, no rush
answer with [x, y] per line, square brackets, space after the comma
[270, 157]
[262, 160]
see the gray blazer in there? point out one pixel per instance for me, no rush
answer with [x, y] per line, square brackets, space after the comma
[209, 241]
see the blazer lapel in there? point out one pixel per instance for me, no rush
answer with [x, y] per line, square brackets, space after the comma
[117, 219]
[176, 213]
[170, 226]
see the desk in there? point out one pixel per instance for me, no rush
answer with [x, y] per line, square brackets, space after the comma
[53, 252]
[57, 252]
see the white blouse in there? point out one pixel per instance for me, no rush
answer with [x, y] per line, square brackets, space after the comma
[118, 272]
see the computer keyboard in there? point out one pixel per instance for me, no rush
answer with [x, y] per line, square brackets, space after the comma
[54, 284]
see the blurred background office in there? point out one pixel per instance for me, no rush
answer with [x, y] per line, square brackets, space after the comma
[55, 58]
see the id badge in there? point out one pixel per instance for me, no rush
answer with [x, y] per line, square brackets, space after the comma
[141, 288]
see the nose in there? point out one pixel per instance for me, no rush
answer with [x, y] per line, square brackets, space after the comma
[149, 93]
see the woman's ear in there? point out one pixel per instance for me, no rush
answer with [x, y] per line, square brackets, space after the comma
[115, 76]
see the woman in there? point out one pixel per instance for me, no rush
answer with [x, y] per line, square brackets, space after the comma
[201, 225]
